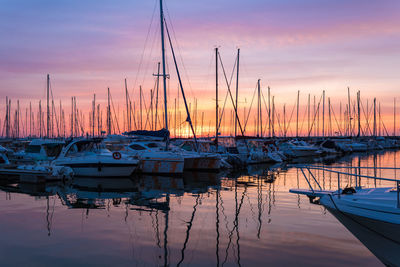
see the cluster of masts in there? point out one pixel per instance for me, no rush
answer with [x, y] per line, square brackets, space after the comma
[317, 118]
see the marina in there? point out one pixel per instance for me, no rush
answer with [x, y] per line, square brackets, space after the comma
[197, 219]
[169, 133]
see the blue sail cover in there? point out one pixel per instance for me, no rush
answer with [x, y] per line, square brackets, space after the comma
[163, 133]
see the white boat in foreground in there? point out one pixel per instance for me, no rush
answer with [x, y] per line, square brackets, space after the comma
[89, 157]
[371, 211]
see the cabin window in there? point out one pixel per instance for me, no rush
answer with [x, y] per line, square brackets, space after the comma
[53, 150]
[152, 145]
[137, 147]
[33, 149]
[187, 147]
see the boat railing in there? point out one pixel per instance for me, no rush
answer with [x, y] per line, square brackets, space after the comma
[334, 169]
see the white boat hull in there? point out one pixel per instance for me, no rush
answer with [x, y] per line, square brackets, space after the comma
[161, 166]
[200, 163]
[101, 167]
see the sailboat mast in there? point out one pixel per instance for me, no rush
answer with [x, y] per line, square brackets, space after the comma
[48, 107]
[128, 121]
[323, 113]
[237, 89]
[108, 113]
[297, 114]
[374, 117]
[216, 98]
[308, 116]
[394, 117]
[163, 66]
[158, 84]
[359, 114]
[258, 108]
[349, 110]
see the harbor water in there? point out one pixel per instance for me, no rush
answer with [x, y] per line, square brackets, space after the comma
[200, 219]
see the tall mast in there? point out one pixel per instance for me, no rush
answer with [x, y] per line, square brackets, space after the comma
[128, 121]
[349, 110]
[297, 114]
[394, 117]
[273, 117]
[308, 116]
[329, 117]
[237, 89]
[60, 124]
[258, 109]
[359, 114]
[374, 117]
[284, 120]
[94, 113]
[323, 113]
[164, 74]
[108, 113]
[7, 119]
[140, 112]
[17, 120]
[30, 119]
[72, 116]
[269, 112]
[216, 98]
[158, 84]
[40, 118]
[48, 107]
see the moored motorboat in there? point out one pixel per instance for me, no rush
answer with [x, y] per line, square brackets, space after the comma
[154, 159]
[90, 158]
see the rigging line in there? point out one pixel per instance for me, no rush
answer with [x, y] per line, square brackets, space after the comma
[279, 123]
[290, 118]
[115, 114]
[53, 108]
[251, 104]
[179, 49]
[366, 117]
[144, 47]
[334, 116]
[315, 115]
[230, 94]
[148, 63]
[147, 111]
[302, 123]
[269, 118]
[226, 96]
[383, 123]
[181, 86]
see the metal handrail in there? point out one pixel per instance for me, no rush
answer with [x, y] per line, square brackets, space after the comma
[352, 167]
[322, 168]
[347, 173]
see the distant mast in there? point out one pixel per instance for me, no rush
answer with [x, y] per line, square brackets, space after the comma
[48, 108]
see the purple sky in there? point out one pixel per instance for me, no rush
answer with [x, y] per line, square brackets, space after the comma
[87, 46]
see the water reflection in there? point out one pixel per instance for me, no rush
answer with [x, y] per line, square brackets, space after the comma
[199, 219]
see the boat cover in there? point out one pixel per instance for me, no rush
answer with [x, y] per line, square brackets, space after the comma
[163, 133]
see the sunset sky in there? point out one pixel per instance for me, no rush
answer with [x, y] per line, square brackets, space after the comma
[87, 46]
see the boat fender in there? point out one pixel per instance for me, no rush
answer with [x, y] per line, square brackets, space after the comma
[116, 155]
[348, 191]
